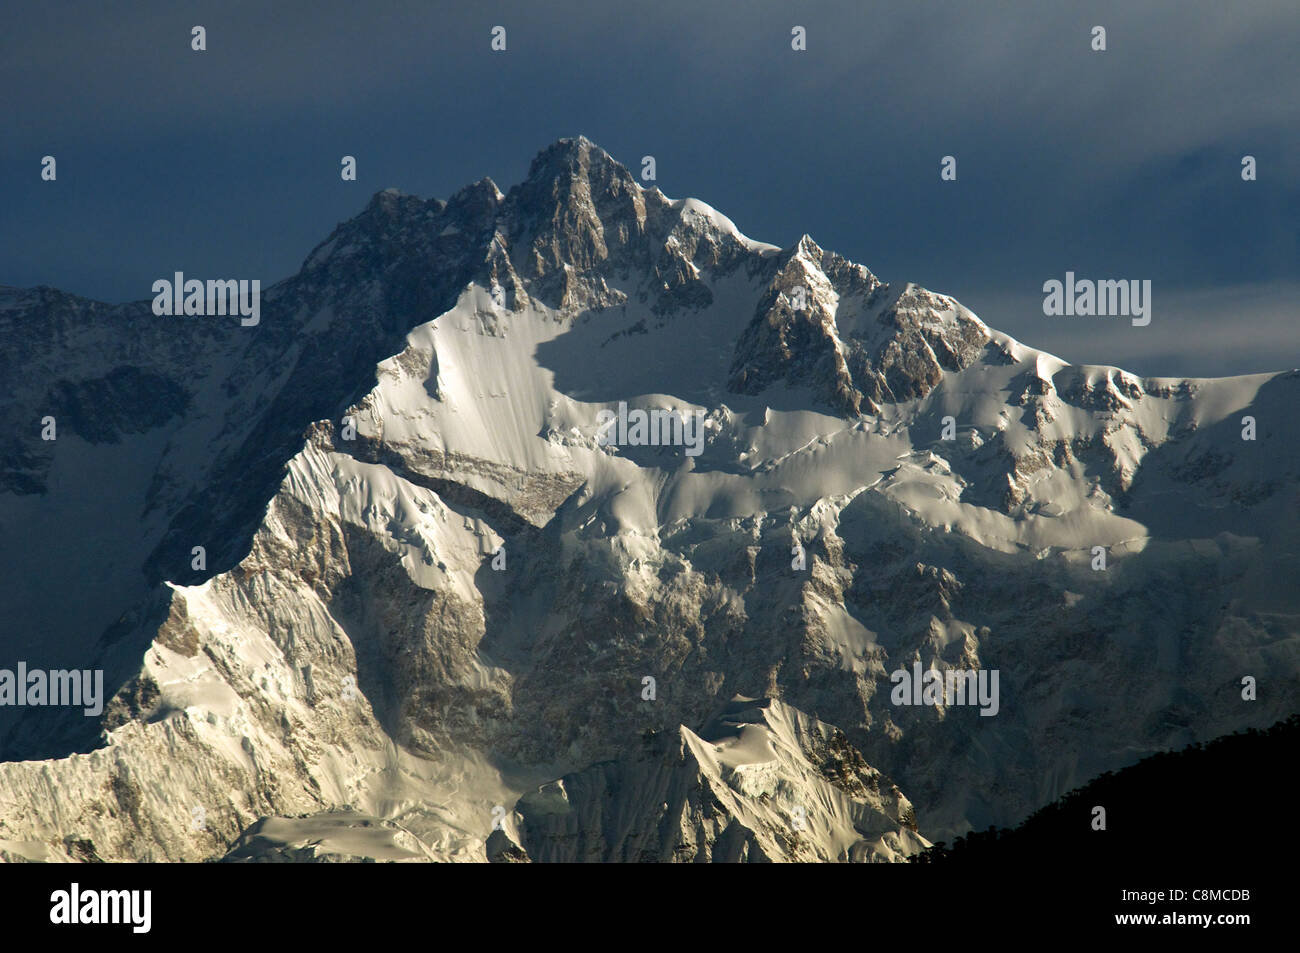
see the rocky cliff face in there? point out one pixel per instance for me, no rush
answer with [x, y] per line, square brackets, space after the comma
[441, 618]
[760, 782]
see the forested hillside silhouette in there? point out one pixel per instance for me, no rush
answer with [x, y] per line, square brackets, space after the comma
[1219, 800]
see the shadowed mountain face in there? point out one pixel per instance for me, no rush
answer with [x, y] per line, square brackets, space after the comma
[444, 609]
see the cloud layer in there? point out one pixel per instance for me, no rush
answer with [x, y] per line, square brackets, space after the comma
[1122, 164]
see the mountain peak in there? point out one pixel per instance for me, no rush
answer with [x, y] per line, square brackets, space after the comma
[431, 394]
[577, 158]
[576, 208]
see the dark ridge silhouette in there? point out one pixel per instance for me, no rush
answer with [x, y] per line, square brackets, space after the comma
[1211, 802]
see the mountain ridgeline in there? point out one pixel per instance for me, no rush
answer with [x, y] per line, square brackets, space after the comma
[367, 580]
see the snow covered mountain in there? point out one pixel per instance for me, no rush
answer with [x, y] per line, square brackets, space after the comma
[442, 618]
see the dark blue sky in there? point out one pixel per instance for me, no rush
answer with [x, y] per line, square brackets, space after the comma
[1122, 164]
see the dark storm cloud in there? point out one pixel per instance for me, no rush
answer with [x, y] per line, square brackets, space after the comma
[1122, 164]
